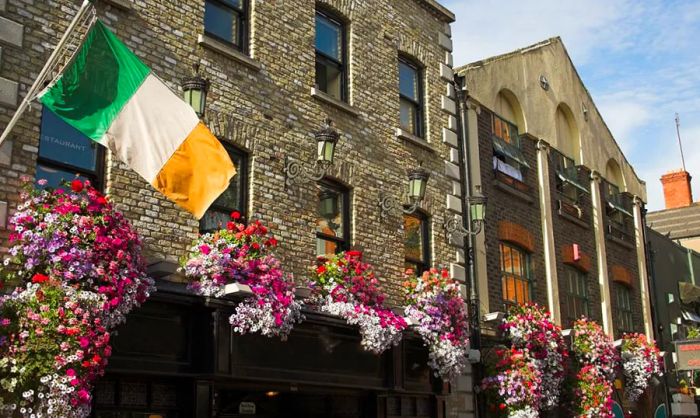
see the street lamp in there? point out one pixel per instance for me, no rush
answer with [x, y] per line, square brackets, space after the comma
[477, 211]
[417, 182]
[194, 90]
[326, 139]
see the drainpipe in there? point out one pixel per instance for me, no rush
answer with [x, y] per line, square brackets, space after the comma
[469, 242]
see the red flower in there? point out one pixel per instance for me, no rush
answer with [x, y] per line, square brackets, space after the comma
[255, 246]
[354, 253]
[76, 185]
[272, 242]
[321, 269]
[39, 278]
[230, 225]
[236, 215]
[502, 406]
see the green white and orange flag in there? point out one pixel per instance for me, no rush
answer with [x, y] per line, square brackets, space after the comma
[112, 97]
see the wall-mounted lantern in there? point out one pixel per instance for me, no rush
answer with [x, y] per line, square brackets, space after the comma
[194, 90]
[326, 139]
[417, 182]
[477, 211]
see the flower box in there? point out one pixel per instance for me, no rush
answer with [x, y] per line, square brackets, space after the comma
[302, 292]
[238, 290]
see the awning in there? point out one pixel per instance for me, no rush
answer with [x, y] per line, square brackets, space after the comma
[690, 316]
[619, 208]
[573, 182]
[689, 293]
[502, 147]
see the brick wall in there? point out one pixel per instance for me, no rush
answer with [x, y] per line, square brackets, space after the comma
[623, 267]
[511, 213]
[569, 230]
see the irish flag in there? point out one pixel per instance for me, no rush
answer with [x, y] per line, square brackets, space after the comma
[112, 97]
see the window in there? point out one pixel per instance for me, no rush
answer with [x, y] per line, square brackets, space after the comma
[624, 308]
[234, 198]
[575, 294]
[226, 21]
[568, 184]
[411, 97]
[515, 274]
[330, 56]
[64, 152]
[416, 232]
[508, 158]
[332, 220]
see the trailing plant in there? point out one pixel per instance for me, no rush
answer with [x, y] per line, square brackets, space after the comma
[243, 254]
[345, 286]
[640, 361]
[595, 359]
[436, 306]
[80, 265]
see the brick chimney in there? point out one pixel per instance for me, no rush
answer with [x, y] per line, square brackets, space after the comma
[677, 191]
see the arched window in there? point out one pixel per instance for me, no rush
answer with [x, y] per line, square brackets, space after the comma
[613, 174]
[508, 157]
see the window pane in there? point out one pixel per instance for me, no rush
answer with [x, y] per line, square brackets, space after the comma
[221, 22]
[325, 247]
[214, 219]
[232, 199]
[506, 262]
[329, 78]
[329, 38]
[408, 81]
[55, 176]
[329, 219]
[408, 116]
[62, 143]
[413, 237]
[236, 4]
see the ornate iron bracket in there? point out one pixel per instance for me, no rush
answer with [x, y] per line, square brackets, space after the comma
[453, 227]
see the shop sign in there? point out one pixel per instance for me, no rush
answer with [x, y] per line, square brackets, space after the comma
[688, 355]
[246, 408]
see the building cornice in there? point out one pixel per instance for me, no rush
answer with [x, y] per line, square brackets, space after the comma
[443, 11]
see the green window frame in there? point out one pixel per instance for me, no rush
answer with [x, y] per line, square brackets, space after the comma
[623, 314]
[515, 274]
[576, 295]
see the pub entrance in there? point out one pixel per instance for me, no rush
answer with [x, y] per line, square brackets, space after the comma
[176, 357]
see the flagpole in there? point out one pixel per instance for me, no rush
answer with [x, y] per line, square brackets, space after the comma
[42, 75]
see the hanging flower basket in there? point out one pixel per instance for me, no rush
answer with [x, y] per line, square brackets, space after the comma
[76, 236]
[343, 285]
[436, 307]
[640, 361]
[239, 260]
[82, 272]
[515, 383]
[534, 337]
[596, 358]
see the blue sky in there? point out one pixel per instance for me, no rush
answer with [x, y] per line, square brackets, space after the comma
[639, 59]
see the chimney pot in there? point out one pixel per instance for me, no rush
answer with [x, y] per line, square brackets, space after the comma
[677, 190]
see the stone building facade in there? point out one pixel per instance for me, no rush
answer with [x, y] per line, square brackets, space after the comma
[265, 102]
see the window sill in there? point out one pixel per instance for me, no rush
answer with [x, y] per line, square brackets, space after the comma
[227, 50]
[507, 184]
[565, 214]
[620, 242]
[120, 4]
[412, 139]
[325, 98]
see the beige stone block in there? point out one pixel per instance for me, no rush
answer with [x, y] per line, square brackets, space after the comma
[449, 137]
[452, 170]
[8, 92]
[445, 41]
[446, 73]
[6, 153]
[457, 272]
[3, 214]
[11, 32]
